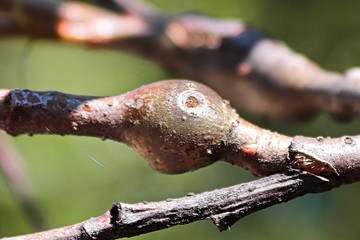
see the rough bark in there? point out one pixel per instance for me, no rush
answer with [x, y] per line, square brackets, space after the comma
[223, 206]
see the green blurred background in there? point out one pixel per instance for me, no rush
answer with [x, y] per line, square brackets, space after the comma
[69, 187]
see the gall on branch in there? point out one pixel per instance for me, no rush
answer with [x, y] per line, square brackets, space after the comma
[180, 126]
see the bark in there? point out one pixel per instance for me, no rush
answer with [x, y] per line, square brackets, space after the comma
[179, 126]
[243, 64]
[223, 206]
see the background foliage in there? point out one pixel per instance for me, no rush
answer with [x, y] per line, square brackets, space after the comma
[70, 187]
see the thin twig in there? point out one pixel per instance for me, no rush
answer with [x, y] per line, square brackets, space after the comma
[223, 206]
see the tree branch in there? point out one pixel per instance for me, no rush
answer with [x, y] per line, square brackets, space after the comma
[176, 125]
[223, 206]
[179, 126]
[244, 65]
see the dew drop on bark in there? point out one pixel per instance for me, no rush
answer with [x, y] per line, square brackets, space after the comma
[320, 139]
[190, 85]
[348, 140]
[84, 116]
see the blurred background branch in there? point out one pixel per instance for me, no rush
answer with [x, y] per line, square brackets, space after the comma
[13, 171]
[242, 63]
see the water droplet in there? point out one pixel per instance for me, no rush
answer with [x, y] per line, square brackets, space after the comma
[320, 138]
[348, 140]
[84, 115]
[208, 151]
[190, 85]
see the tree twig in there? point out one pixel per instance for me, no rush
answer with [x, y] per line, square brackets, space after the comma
[223, 206]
